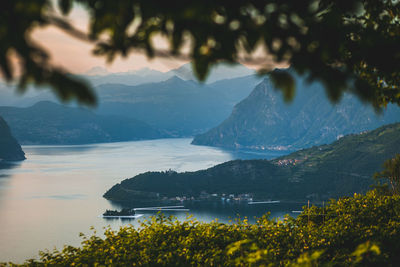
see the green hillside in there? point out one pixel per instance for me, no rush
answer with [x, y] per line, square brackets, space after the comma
[329, 171]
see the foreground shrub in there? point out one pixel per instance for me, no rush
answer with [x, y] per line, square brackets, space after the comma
[363, 230]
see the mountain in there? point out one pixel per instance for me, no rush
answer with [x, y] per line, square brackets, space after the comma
[222, 71]
[10, 96]
[319, 173]
[97, 71]
[264, 121]
[50, 123]
[9, 147]
[236, 89]
[99, 75]
[182, 108]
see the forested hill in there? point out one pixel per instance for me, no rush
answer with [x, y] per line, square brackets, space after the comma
[264, 121]
[329, 171]
[9, 147]
[50, 123]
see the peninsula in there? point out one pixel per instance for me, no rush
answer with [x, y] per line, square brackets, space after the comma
[319, 173]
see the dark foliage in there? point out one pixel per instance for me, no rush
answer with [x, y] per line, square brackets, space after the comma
[391, 174]
[350, 45]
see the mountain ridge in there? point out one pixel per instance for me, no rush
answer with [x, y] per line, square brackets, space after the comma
[181, 108]
[264, 121]
[49, 123]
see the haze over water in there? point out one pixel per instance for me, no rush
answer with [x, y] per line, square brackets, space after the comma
[48, 199]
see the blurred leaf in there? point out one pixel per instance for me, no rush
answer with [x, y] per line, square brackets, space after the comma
[285, 82]
[349, 46]
[65, 6]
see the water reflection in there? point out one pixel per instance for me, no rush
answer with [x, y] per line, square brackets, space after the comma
[60, 197]
[223, 211]
[58, 150]
[6, 168]
[48, 199]
[5, 165]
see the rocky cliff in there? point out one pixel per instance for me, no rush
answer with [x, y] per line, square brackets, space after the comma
[9, 147]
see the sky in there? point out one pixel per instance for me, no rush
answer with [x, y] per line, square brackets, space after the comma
[76, 57]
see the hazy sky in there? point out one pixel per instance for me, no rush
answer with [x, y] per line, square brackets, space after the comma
[76, 56]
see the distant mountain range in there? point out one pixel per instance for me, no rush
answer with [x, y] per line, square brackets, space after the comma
[176, 106]
[319, 173]
[9, 147]
[182, 108]
[264, 121]
[98, 76]
[218, 72]
[222, 71]
[50, 123]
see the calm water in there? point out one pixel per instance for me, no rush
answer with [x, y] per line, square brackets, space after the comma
[48, 199]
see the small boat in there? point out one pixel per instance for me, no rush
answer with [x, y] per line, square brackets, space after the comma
[123, 217]
[264, 202]
[124, 214]
[165, 208]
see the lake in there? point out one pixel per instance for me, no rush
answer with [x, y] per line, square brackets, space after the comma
[48, 199]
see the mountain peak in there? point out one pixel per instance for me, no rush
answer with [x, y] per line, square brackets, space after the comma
[146, 72]
[175, 79]
[45, 103]
[97, 71]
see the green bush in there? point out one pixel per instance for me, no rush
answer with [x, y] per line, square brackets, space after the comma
[363, 230]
